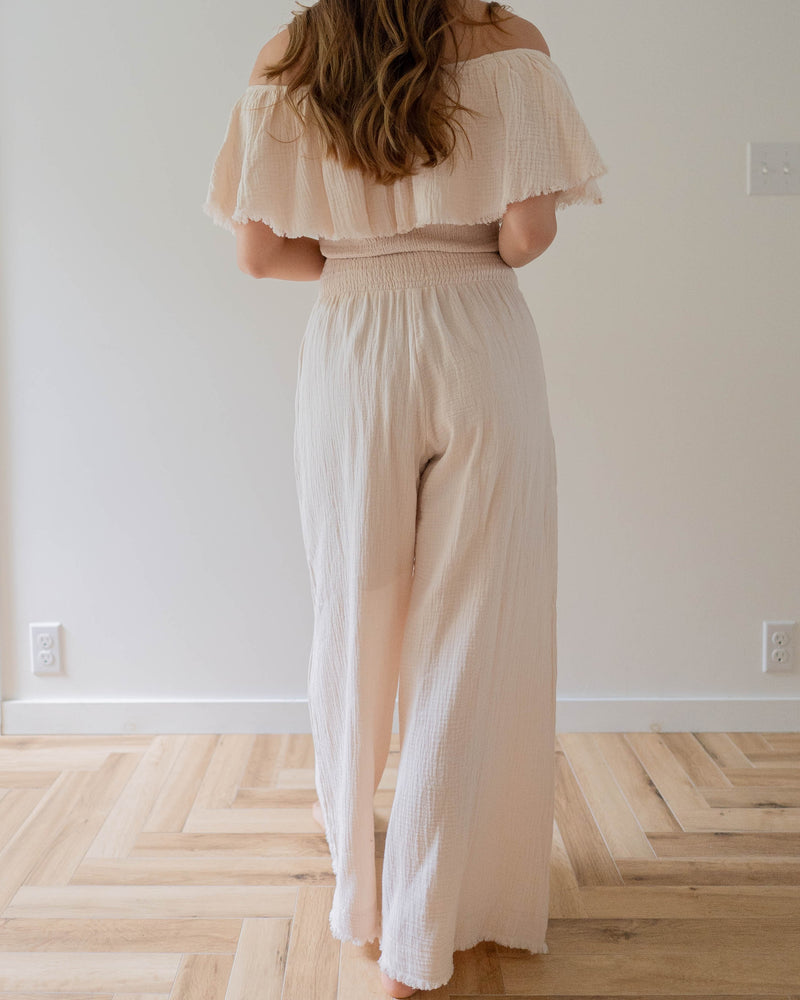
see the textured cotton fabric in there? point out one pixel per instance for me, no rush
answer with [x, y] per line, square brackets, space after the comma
[426, 475]
[426, 478]
[529, 139]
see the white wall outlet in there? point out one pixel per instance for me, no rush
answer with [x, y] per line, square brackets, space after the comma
[779, 647]
[773, 168]
[46, 647]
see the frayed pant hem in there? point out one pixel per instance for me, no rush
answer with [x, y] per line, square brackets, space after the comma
[343, 935]
[394, 972]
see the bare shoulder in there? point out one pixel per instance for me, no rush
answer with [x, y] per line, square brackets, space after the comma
[270, 53]
[520, 33]
[525, 35]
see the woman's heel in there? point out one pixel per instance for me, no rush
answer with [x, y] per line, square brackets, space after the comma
[396, 989]
[316, 812]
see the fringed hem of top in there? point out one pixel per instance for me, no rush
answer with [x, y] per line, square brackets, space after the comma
[588, 193]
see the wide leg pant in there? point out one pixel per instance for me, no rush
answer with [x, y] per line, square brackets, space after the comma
[426, 476]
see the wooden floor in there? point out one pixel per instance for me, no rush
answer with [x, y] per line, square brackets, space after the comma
[190, 867]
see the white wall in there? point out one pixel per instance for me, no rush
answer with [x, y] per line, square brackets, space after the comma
[148, 386]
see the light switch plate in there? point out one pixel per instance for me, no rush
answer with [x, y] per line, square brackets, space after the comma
[773, 168]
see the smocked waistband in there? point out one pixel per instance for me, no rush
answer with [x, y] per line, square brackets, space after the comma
[412, 267]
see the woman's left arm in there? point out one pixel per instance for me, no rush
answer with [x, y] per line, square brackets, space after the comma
[261, 253]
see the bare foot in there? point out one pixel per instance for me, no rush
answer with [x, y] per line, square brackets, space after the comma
[316, 812]
[395, 988]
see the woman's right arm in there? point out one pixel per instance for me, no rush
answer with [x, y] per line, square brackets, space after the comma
[528, 228]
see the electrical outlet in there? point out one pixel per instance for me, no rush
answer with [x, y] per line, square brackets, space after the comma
[779, 647]
[46, 648]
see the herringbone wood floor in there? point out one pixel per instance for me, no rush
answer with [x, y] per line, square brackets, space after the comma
[190, 867]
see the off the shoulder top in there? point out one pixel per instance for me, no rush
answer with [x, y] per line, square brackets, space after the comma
[529, 138]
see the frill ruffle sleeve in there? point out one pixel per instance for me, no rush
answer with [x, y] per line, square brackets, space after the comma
[528, 138]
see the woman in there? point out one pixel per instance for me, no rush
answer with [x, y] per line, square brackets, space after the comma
[410, 155]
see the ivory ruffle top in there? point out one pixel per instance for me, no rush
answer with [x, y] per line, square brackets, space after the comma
[527, 139]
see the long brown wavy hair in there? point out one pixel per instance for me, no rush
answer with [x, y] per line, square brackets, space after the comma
[373, 80]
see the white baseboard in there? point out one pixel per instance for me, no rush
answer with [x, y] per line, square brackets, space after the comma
[573, 715]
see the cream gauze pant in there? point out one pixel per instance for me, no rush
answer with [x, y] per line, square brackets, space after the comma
[426, 476]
